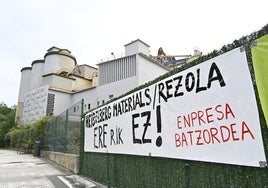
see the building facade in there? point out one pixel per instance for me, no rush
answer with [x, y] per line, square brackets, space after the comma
[53, 84]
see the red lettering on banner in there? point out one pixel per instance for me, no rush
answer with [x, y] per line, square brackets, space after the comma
[183, 140]
[207, 137]
[209, 115]
[177, 140]
[179, 122]
[198, 139]
[228, 111]
[246, 130]
[219, 111]
[210, 130]
[186, 120]
[200, 116]
[206, 116]
[193, 117]
[226, 133]
[214, 135]
[191, 137]
[233, 131]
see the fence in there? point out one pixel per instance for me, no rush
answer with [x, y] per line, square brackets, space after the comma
[62, 133]
[118, 170]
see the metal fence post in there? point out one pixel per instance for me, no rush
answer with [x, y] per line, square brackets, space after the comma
[187, 182]
[56, 136]
[108, 170]
[81, 143]
[66, 130]
[82, 107]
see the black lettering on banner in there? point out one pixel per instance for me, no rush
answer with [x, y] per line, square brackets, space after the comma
[178, 85]
[112, 137]
[146, 124]
[119, 138]
[190, 82]
[115, 136]
[198, 88]
[159, 125]
[187, 84]
[100, 141]
[99, 136]
[147, 95]
[144, 115]
[134, 126]
[218, 76]
[95, 135]
[169, 87]
[161, 87]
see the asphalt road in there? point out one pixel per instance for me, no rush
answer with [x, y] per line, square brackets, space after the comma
[27, 171]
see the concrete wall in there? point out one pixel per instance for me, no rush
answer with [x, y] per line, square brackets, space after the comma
[69, 161]
[136, 47]
[89, 100]
[62, 101]
[58, 82]
[148, 70]
[80, 83]
[96, 96]
[115, 89]
[35, 104]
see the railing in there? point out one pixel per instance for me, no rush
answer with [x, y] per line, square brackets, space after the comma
[62, 133]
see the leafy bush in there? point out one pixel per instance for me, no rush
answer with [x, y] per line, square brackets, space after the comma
[26, 134]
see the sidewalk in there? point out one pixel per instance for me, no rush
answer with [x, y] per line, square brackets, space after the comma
[27, 171]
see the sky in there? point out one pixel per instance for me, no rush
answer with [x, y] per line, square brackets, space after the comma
[92, 29]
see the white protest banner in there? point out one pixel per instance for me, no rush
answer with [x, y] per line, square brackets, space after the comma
[206, 113]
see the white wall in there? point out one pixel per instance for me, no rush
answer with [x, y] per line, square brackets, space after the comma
[62, 101]
[102, 93]
[116, 88]
[89, 97]
[136, 47]
[148, 70]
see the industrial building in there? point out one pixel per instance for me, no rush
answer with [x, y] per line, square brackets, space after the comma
[53, 84]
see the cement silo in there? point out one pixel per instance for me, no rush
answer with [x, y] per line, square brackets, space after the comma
[58, 60]
[25, 83]
[37, 74]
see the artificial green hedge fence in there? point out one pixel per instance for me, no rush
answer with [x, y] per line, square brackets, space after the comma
[116, 170]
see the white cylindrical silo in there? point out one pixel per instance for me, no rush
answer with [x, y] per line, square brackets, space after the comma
[58, 60]
[24, 82]
[37, 72]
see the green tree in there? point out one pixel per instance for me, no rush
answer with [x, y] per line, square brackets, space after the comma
[7, 121]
